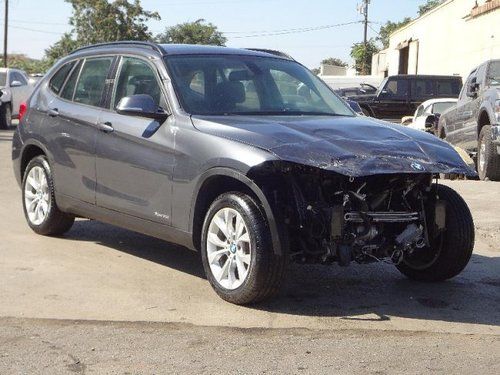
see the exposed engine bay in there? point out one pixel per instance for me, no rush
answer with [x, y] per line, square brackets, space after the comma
[335, 218]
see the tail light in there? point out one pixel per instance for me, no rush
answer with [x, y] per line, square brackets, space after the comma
[22, 110]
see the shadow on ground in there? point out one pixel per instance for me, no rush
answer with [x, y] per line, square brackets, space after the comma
[373, 292]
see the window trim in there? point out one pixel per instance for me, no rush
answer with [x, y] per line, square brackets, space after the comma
[76, 61]
[77, 65]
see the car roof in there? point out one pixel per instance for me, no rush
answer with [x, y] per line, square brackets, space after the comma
[439, 100]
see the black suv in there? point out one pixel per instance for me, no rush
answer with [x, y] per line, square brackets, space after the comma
[401, 95]
[243, 155]
[474, 123]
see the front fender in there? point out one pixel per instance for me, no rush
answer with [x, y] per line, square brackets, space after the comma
[228, 172]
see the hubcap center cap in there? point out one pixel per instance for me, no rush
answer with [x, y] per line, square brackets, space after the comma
[232, 248]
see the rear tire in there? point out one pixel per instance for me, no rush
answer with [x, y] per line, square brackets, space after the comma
[260, 275]
[5, 116]
[454, 248]
[39, 203]
[488, 160]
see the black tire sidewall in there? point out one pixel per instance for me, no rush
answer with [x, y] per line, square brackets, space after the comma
[457, 244]
[5, 116]
[40, 161]
[257, 228]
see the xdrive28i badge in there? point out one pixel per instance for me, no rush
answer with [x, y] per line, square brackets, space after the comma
[417, 166]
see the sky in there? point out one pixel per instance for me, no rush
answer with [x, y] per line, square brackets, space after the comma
[36, 24]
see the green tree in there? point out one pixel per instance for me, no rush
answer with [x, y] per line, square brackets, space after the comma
[431, 4]
[387, 29]
[363, 56]
[61, 48]
[198, 32]
[29, 65]
[334, 61]
[98, 21]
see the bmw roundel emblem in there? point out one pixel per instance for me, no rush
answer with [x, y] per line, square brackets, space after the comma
[417, 166]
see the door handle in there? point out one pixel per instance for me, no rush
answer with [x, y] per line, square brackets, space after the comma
[53, 112]
[105, 127]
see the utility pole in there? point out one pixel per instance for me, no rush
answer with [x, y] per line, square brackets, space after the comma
[365, 39]
[5, 32]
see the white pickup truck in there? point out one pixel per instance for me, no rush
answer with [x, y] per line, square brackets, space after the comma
[16, 88]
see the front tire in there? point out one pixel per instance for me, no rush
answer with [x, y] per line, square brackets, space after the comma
[452, 248]
[39, 203]
[488, 160]
[237, 251]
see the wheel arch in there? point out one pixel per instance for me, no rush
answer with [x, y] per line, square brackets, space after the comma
[217, 181]
[29, 152]
[482, 120]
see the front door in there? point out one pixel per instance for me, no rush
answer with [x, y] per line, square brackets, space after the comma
[20, 90]
[135, 155]
[392, 100]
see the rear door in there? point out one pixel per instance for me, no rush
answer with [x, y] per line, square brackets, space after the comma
[422, 89]
[71, 126]
[392, 101]
[135, 160]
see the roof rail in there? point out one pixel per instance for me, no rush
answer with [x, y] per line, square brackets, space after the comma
[272, 52]
[125, 43]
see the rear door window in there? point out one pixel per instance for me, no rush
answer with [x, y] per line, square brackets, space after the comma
[92, 81]
[57, 80]
[422, 88]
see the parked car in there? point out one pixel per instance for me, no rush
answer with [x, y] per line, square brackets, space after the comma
[427, 115]
[362, 89]
[173, 141]
[16, 88]
[400, 95]
[474, 124]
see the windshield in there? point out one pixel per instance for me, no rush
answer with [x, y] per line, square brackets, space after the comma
[3, 78]
[441, 107]
[250, 85]
[493, 76]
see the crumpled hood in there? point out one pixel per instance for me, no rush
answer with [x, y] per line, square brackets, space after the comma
[352, 146]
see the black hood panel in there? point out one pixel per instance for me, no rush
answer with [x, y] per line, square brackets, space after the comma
[352, 146]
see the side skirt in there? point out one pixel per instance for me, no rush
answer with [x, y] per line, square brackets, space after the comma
[150, 228]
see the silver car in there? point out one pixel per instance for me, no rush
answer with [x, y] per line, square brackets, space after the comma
[16, 87]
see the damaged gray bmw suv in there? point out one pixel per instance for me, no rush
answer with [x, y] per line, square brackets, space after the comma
[243, 155]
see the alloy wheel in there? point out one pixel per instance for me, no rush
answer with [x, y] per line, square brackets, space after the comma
[229, 248]
[36, 195]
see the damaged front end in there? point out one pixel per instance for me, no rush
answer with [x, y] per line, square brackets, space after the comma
[329, 217]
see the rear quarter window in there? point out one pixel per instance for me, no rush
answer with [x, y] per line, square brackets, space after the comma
[57, 80]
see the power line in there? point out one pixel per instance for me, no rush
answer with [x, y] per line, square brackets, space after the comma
[294, 31]
[34, 30]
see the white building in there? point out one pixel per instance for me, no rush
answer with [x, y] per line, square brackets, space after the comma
[452, 38]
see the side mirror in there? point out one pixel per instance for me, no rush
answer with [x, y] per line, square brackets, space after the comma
[16, 84]
[141, 105]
